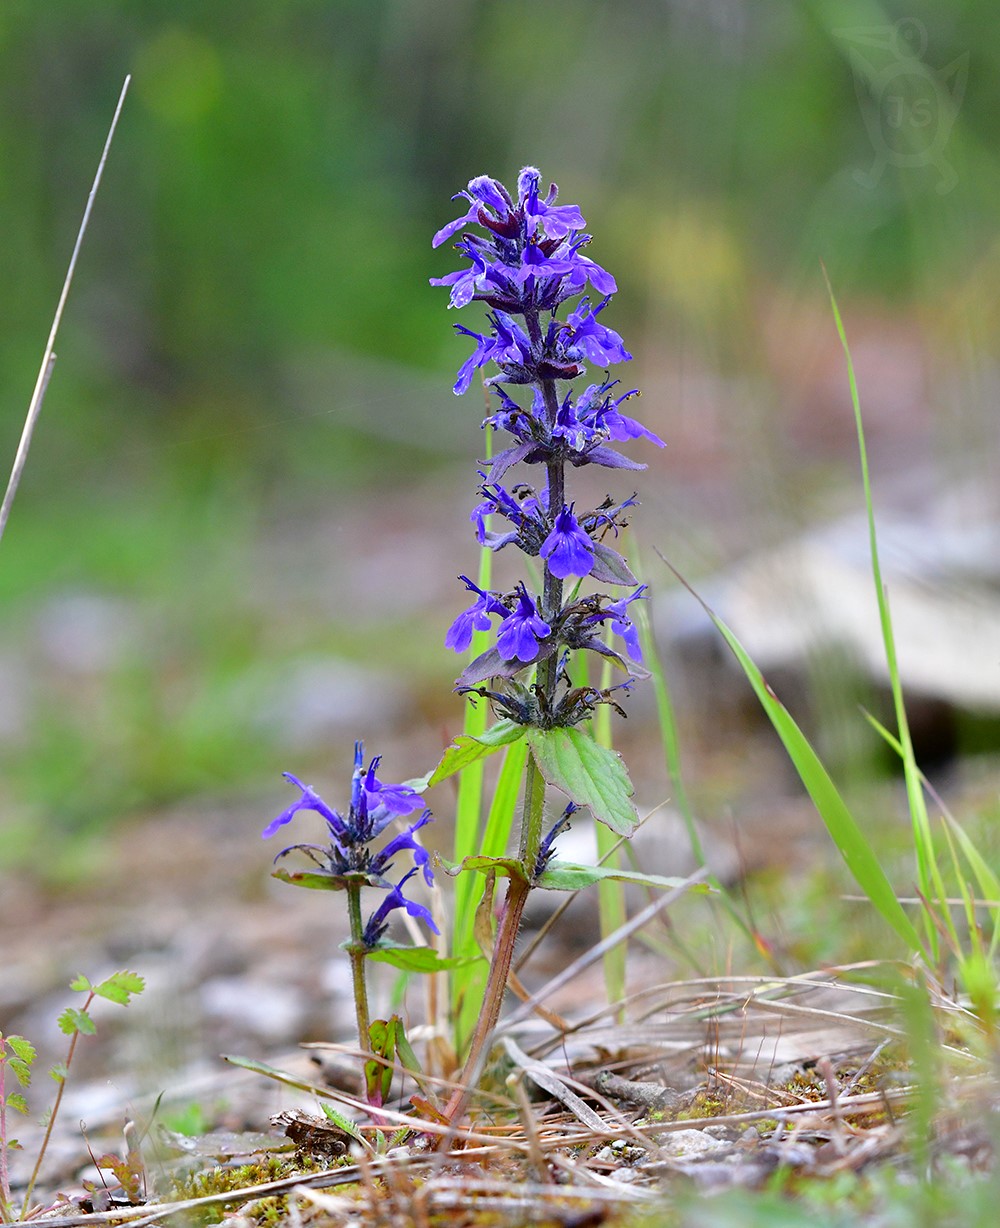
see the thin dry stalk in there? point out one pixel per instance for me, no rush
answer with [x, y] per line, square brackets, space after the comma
[536, 1157]
[48, 357]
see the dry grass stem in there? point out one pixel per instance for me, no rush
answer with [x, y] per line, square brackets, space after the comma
[48, 356]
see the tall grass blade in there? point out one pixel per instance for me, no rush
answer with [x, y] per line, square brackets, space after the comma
[928, 875]
[987, 881]
[670, 741]
[610, 893]
[857, 853]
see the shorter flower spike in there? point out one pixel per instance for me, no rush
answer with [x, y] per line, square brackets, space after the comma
[374, 804]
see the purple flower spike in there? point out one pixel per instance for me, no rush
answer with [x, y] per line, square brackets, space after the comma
[520, 631]
[310, 800]
[378, 921]
[567, 549]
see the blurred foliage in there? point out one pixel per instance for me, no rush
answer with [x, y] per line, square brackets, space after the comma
[280, 168]
[251, 324]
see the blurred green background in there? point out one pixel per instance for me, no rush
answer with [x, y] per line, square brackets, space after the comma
[241, 517]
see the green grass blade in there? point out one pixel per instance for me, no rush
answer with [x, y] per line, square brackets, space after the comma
[670, 741]
[986, 880]
[923, 846]
[857, 853]
[610, 892]
[469, 815]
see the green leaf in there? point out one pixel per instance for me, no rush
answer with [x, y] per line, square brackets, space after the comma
[589, 774]
[81, 984]
[316, 879]
[120, 986]
[857, 853]
[404, 1050]
[418, 959]
[506, 867]
[58, 1072]
[613, 568]
[342, 1122]
[72, 1021]
[466, 750]
[20, 1070]
[566, 876]
[378, 1078]
[16, 1101]
[382, 1038]
[22, 1048]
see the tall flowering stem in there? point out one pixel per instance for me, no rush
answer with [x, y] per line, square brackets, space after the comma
[355, 858]
[525, 262]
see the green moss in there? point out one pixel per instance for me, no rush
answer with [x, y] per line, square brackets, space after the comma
[705, 1104]
[268, 1211]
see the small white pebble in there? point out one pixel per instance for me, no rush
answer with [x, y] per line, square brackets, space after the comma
[688, 1142]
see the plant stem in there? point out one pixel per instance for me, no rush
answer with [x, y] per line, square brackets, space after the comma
[506, 938]
[4, 1174]
[54, 1113]
[534, 791]
[357, 952]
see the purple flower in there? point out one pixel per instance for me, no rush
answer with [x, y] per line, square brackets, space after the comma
[465, 283]
[486, 347]
[381, 862]
[592, 420]
[568, 549]
[622, 625]
[601, 345]
[483, 191]
[374, 802]
[538, 264]
[310, 800]
[475, 618]
[585, 269]
[556, 221]
[520, 631]
[378, 922]
[508, 346]
[621, 427]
